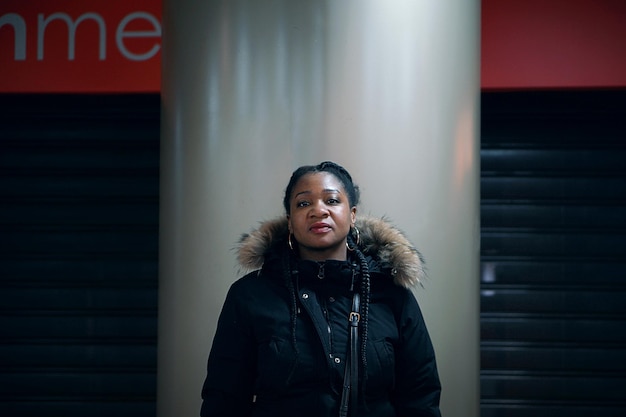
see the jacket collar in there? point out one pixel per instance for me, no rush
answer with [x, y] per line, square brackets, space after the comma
[378, 239]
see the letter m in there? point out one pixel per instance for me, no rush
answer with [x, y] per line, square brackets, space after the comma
[71, 44]
[19, 28]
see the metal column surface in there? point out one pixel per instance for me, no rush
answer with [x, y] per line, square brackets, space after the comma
[253, 89]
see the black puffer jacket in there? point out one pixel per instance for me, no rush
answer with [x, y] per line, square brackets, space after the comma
[267, 361]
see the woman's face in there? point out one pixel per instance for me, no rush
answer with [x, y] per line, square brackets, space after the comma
[320, 217]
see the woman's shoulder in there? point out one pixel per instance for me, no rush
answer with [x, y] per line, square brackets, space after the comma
[250, 279]
[383, 284]
[255, 281]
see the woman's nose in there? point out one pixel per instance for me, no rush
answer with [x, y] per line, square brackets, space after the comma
[319, 209]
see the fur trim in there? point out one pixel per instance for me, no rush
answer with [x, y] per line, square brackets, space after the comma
[383, 240]
[378, 238]
[253, 246]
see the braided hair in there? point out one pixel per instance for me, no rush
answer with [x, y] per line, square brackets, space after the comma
[364, 287]
[290, 277]
[290, 272]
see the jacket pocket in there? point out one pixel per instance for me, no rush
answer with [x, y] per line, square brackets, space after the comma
[380, 366]
[275, 365]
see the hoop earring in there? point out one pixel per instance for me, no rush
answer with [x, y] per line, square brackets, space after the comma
[289, 242]
[358, 240]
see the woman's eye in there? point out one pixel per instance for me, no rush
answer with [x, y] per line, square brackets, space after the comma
[302, 204]
[333, 201]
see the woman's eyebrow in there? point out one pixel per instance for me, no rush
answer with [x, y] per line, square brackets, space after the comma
[325, 190]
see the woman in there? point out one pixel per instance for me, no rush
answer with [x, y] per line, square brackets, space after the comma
[284, 344]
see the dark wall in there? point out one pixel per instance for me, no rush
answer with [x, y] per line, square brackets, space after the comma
[553, 290]
[78, 255]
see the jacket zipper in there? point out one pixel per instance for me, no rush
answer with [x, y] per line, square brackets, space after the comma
[321, 275]
[320, 272]
[329, 329]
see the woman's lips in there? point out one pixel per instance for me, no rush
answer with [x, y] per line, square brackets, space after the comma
[320, 228]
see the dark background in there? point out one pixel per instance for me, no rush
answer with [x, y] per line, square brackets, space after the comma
[79, 191]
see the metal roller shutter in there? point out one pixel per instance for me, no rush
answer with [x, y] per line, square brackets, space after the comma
[553, 248]
[78, 255]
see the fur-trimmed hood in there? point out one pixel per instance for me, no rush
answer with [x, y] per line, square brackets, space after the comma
[378, 239]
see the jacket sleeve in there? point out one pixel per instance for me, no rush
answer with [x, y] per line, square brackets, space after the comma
[417, 389]
[228, 388]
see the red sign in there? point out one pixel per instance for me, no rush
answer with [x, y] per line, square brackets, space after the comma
[553, 44]
[80, 46]
[114, 46]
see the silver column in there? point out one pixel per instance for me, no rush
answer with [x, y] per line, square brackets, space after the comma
[252, 89]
